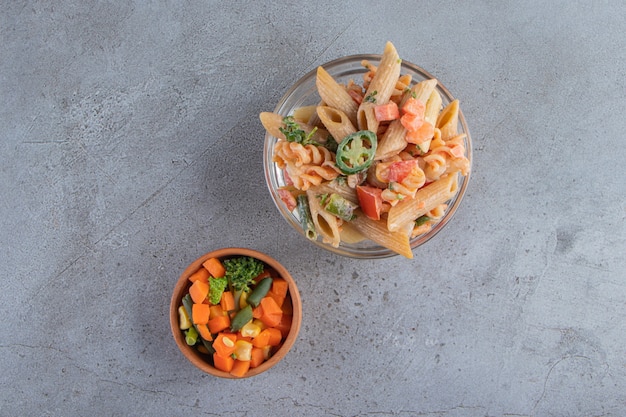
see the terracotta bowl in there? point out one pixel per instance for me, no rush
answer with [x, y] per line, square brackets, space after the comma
[202, 361]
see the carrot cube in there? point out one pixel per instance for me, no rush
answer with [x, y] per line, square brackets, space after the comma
[414, 107]
[272, 313]
[223, 363]
[240, 368]
[200, 313]
[228, 301]
[219, 323]
[201, 274]
[256, 357]
[224, 344]
[215, 267]
[411, 122]
[199, 291]
[275, 336]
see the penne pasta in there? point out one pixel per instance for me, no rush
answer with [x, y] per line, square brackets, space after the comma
[431, 112]
[335, 95]
[392, 141]
[448, 120]
[350, 234]
[376, 231]
[339, 187]
[380, 88]
[433, 107]
[426, 199]
[325, 223]
[336, 122]
[273, 122]
[422, 90]
[306, 114]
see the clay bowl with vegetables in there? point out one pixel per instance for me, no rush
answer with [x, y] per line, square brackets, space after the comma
[235, 312]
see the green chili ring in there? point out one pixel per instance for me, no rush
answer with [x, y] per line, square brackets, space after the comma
[356, 152]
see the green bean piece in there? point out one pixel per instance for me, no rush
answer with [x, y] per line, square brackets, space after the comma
[260, 291]
[241, 318]
[191, 336]
[421, 220]
[304, 211]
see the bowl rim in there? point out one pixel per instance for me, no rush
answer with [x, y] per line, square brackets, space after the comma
[375, 251]
[181, 286]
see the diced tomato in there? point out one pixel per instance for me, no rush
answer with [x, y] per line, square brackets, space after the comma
[399, 170]
[288, 180]
[370, 200]
[413, 107]
[287, 198]
[386, 112]
[411, 122]
[425, 132]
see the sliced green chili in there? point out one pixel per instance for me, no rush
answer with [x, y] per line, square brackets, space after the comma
[356, 152]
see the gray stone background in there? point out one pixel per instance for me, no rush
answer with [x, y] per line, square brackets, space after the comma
[130, 145]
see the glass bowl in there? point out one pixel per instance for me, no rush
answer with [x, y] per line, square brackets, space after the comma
[304, 93]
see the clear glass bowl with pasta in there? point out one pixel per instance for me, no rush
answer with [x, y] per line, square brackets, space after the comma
[304, 96]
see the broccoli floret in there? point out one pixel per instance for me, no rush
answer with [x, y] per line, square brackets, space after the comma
[216, 288]
[241, 271]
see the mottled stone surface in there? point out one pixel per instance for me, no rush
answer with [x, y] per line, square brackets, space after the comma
[130, 145]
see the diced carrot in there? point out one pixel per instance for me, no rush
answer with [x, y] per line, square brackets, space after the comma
[270, 306]
[386, 112]
[224, 344]
[285, 325]
[215, 267]
[215, 311]
[272, 312]
[228, 301]
[422, 134]
[200, 313]
[411, 122]
[244, 338]
[414, 107]
[256, 357]
[275, 336]
[240, 368]
[219, 323]
[203, 330]
[279, 290]
[201, 274]
[257, 312]
[223, 363]
[262, 340]
[199, 291]
[275, 297]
